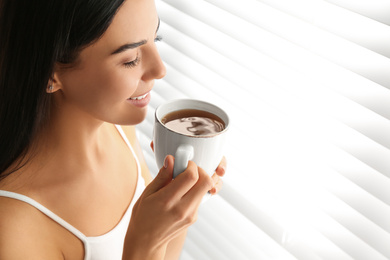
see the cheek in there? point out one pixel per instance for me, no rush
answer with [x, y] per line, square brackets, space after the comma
[102, 87]
[116, 81]
[122, 82]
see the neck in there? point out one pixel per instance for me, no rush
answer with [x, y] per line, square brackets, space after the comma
[71, 145]
[75, 138]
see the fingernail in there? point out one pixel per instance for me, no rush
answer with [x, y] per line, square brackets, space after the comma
[166, 162]
[223, 170]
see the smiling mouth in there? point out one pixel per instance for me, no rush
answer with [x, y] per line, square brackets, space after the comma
[139, 97]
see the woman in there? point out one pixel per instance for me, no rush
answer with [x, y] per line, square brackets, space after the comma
[72, 180]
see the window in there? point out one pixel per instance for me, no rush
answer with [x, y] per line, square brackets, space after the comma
[306, 84]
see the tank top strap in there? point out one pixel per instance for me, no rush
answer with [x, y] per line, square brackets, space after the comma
[124, 137]
[50, 214]
[86, 240]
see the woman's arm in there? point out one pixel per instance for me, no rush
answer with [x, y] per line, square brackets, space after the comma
[175, 246]
[172, 249]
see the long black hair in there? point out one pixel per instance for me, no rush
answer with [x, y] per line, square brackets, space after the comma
[34, 36]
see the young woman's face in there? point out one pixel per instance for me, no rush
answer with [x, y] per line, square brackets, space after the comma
[113, 77]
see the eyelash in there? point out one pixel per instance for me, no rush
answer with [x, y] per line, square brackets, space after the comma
[132, 64]
[158, 38]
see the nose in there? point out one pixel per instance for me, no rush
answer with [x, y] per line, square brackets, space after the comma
[154, 66]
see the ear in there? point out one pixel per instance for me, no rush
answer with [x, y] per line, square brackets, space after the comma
[54, 83]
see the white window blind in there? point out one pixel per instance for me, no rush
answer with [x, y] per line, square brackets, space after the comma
[306, 84]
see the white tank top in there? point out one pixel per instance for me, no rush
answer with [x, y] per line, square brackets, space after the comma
[107, 246]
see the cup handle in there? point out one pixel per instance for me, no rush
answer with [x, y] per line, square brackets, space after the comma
[183, 154]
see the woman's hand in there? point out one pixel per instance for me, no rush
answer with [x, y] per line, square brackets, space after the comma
[165, 208]
[219, 172]
[217, 181]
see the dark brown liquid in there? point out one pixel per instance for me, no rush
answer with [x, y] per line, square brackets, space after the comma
[193, 122]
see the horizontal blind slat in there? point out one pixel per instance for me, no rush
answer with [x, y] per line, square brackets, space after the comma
[180, 80]
[322, 74]
[361, 174]
[202, 73]
[243, 234]
[340, 51]
[344, 23]
[299, 237]
[230, 248]
[321, 127]
[302, 243]
[193, 250]
[186, 254]
[212, 251]
[375, 9]
[312, 77]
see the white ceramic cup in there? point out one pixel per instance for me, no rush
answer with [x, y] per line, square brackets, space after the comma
[206, 151]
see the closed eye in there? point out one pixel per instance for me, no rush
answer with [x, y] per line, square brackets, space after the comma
[133, 63]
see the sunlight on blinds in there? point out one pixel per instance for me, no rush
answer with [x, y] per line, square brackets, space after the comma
[306, 84]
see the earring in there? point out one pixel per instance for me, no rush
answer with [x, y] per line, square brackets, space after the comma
[50, 88]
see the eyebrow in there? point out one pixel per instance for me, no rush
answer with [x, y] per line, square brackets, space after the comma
[134, 44]
[128, 46]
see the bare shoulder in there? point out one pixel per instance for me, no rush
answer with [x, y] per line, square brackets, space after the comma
[25, 233]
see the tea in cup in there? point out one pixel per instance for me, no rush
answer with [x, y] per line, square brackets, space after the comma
[190, 130]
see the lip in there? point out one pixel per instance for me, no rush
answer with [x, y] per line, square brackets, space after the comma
[140, 102]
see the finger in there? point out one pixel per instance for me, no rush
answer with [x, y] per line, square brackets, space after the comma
[217, 187]
[163, 177]
[221, 169]
[184, 181]
[215, 178]
[198, 191]
[152, 146]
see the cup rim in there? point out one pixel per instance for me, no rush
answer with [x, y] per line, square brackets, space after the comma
[226, 118]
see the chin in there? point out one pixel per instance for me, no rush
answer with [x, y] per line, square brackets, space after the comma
[134, 118]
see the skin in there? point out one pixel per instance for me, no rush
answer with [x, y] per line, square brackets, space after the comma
[81, 158]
